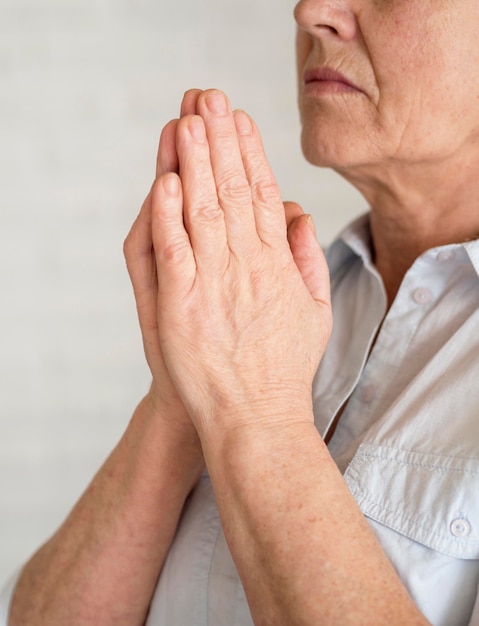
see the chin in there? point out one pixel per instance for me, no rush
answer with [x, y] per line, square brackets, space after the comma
[335, 137]
[326, 153]
[338, 147]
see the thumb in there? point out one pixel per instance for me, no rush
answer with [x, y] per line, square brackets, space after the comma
[309, 258]
[292, 210]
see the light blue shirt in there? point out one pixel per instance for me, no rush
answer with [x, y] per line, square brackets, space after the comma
[407, 441]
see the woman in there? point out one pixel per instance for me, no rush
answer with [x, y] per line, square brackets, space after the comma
[235, 313]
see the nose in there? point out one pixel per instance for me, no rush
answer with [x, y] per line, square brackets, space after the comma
[320, 17]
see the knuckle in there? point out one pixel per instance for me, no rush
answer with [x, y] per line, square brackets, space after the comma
[266, 193]
[207, 212]
[234, 189]
[174, 253]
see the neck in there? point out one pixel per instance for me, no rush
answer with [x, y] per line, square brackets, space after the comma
[417, 208]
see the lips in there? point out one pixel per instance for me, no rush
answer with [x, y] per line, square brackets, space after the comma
[327, 79]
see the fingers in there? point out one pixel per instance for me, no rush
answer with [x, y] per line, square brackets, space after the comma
[167, 158]
[142, 270]
[231, 199]
[292, 210]
[188, 104]
[137, 251]
[203, 217]
[309, 257]
[231, 184]
[266, 197]
[173, 253]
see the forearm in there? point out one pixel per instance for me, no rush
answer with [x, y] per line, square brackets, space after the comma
[102, 565]
[303, 549]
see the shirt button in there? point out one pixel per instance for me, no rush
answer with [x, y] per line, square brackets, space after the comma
[421, 295]
[460, 527]
[446, 255]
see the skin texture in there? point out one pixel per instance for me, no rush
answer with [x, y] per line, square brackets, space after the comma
[407, 138]
[233, 302]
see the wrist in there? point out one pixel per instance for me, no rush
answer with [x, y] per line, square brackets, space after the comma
[273, 412]
[169, 435]
[166, 407]
[257, 435]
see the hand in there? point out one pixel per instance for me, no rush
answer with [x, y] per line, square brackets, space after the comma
[242, 321]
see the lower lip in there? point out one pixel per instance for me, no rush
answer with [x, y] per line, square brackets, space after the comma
[322, 87]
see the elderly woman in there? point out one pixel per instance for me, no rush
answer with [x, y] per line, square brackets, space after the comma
[233, 498]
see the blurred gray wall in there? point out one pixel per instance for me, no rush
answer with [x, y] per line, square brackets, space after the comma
[85, 88]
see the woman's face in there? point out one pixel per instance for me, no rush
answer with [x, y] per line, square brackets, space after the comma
[387, 80]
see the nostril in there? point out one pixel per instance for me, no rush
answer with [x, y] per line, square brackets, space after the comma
[327, 27]
[325, 17]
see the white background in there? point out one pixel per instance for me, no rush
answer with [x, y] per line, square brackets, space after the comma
[86, 86]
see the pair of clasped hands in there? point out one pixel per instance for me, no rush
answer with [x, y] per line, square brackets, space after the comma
[231, 286]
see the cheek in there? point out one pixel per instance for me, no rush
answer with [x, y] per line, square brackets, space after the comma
[425, 107]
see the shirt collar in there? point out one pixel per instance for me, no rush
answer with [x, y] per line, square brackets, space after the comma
[352, 241]
[355, 240]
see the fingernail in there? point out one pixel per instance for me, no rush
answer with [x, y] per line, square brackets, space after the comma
[216, 103]
[171, 184]
[197, 129]
[311, 225]
[243, 123]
